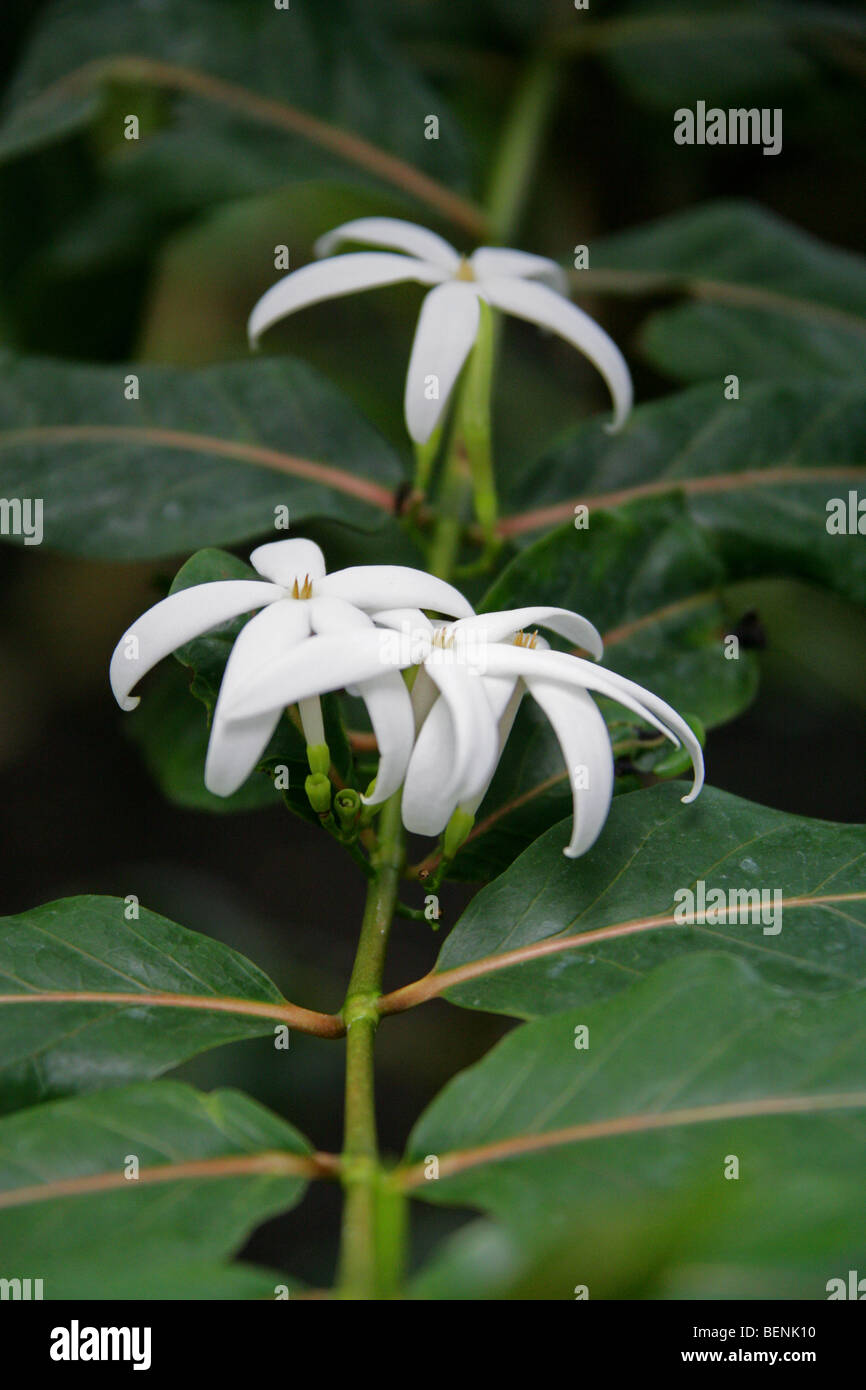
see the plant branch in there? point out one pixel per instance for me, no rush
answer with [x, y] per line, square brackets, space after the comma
[361, 1272]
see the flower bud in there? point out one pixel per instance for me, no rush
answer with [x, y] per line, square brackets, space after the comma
[318, 790]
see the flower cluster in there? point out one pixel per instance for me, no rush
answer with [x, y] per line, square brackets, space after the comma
[440, 734]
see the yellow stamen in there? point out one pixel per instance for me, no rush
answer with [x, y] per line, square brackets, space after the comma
[525, 639]
[442, 638]
[306, 589]
[464, 271]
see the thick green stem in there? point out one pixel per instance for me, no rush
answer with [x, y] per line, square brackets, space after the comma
[365, 1271]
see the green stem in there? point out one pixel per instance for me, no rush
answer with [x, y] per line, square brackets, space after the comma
[365, 1273]
[517, 155]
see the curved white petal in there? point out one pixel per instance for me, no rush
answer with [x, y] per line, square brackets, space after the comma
[315, 667]
[496, 627]
[585, 742]
[424, 696]
[285, 561]
[176, 620]
[389, 706]
[396, 234]
[377, 587]
[505, 695]
[428, 796]
[312, 722]
[447, 329]
[361, 270]
[476, 738]
[550, 310]
[235, 747]
[329, 616]
[404, 620]
[502, 261]
[575, 671]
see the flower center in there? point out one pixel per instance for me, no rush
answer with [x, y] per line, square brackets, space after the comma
[305, 590]
[443, 638]
[525, 639]
[464, 271]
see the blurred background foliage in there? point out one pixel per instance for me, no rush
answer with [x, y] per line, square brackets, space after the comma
[154, 251]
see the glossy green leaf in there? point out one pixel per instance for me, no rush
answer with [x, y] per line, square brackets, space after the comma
[201, 457]
[766, 299]
[552, 932]
[247, 97]
[699, 1063]
[210, 1169]
[92, 995]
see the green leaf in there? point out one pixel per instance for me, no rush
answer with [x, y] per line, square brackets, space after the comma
[172, 733]
[768, 300]
[247, 98]
[202, 457]
[90, 998]
[211, 1168]
[552, 932]
[697, 1064]
[725, 53]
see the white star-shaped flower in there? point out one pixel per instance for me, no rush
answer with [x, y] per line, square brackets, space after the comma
[473, 674]
[529, 287]
[317, 623]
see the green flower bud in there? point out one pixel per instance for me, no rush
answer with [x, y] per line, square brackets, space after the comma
[319, 758]
[456, 832]
[347, 804]
[318, 790]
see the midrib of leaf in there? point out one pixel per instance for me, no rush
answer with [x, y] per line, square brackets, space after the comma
[459, 1160]
[270, 1162]
[323, 473]
[354, 149]
[305, 1020]
[557, 512]
[436, 983]
[731, 292]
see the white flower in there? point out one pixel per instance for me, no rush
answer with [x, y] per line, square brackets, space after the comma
[473, 674]
[318, 624]
[530, 287]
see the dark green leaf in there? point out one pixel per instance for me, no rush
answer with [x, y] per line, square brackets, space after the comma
[770, 299]
[697, 1064]
[553, 932]
[211, 1168]
[253, 96]
[202, 457]
[92, 997]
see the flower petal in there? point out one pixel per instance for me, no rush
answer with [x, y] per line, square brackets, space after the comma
[314, 667]
[235, 746]
[495, 261]
[362, 270]
[551, 310]
[404, 620]
[497, 627]
[476, 740]
[328, 615]
[447, 328]
[428, 797]
[377, 587]
[176, 620]
[396, 234]
[500, 659]
[585, 742]
[389, 706]
[285, 561]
